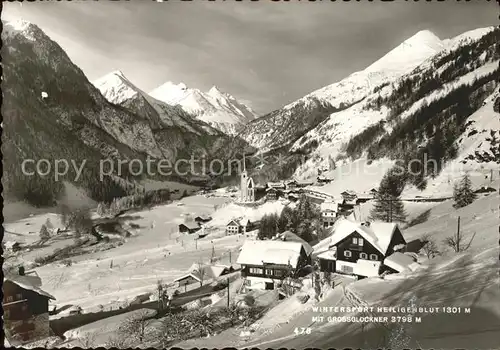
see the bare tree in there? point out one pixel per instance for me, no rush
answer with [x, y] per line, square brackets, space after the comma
[200, 270]
[161, 289]
[119, 341]
[457, 241]
[430, 247]
[76, 219]
[88, 340]
[136, 327]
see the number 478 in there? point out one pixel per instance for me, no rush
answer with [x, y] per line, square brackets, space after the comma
[302, 330]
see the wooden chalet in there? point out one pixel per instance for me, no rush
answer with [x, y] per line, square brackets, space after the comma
[199, 274]
[26, 308]
[237, 226]
[357, 248]
[329, 213]
[201, 219]
[189, 227]
[291, 184]
[350, 199]
[265, 264]
[303, 183]
[277, 185]
[323, 179]
[272, 194]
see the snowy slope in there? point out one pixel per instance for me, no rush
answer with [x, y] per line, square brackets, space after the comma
[215, 107]
[402, 59]
[333, 134]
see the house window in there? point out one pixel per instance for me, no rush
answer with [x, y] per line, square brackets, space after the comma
[10, 298]
[357, 241]
[256, 270]
[269, 272]
[278, 273]
[247, 282]
[19, 296]
[347, 253]
[373, 257]
[363, 255]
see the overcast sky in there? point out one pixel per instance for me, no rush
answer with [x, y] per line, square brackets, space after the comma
[264, 53]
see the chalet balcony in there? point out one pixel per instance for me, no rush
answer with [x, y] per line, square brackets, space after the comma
[355, 247]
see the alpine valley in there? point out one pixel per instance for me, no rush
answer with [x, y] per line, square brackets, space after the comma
[427, 95]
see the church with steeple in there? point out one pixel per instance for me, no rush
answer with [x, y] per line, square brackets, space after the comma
[247, 186]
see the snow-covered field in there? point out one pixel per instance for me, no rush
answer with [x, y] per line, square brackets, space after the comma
[361, 176]
[155, 251]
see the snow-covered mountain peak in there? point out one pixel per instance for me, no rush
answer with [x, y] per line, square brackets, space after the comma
[116, 87]
[424, 37]
[17, 25]
[215, 107]
[409, 54]
[20, 26]
[215, 91]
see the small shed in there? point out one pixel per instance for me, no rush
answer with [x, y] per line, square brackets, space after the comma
[201, 219]
[189, 227]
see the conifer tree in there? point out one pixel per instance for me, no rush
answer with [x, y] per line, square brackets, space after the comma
[463, 194]
[100, 209]
[44, 233]
[48, 224]
[388, 205]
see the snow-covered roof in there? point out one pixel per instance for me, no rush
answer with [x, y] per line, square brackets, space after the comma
[244, 222]
[304, 182]
[399, 261]
[327, 255]
[32, 283]
[289, 236]
[193, 274]
[275, 184]
[367, 268]
[329, 206]
[233, 223]
[348, 193]
[270, 252]
[204, 217]
[190, 225]
[378, 234]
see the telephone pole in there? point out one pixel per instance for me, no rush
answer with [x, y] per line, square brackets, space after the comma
[228, 292]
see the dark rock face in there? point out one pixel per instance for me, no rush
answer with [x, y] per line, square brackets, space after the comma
[496, 105]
